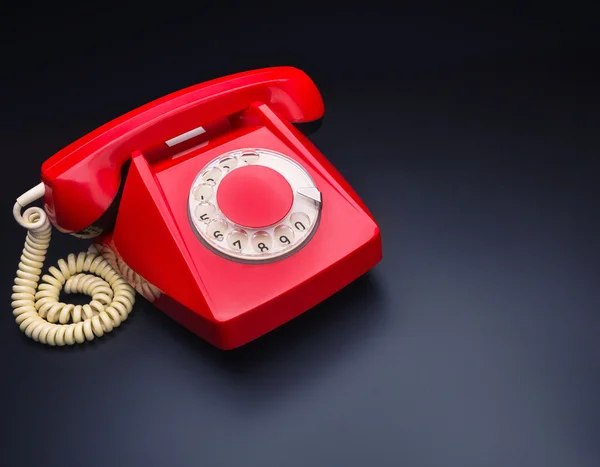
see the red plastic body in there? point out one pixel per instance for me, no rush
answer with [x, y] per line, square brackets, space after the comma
[227, 303]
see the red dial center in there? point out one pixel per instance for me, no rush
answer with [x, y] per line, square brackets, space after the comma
[255, 196]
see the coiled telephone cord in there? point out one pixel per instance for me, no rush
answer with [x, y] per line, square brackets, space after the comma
[37, 309]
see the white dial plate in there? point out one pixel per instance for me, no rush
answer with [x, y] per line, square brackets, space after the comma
[240, 242]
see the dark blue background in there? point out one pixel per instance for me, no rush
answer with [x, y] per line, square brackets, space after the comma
[472, 135]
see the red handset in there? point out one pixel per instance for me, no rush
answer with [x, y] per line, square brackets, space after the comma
[210, 203]
[83, 179]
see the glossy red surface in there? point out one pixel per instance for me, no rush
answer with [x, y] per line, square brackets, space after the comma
[226, 302]
[255, 196]
[230, 303]
[82, 179]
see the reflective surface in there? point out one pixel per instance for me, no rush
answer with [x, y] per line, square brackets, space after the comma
[473, 139]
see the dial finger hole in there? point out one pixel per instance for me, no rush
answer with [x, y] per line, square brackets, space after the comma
[250, 157]
[212, 176]
[217, 229]
[203, 192]
[284, 235]
[228, 163]
[205, 211]
[237, 239]
[262, 242]
[300, 221]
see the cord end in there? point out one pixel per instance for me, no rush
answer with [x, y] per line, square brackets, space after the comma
[32, 195]
[34, 217]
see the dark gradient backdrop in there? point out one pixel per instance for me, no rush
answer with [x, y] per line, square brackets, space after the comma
[473, 137]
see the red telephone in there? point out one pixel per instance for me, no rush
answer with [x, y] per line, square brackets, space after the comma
[209, 202]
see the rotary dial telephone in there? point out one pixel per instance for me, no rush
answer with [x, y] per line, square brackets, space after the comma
[211, 203]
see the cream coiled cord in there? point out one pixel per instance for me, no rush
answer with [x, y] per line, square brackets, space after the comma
[37, 310]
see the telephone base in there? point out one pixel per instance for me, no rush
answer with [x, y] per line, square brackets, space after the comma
[246, 325]
[231, 298]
